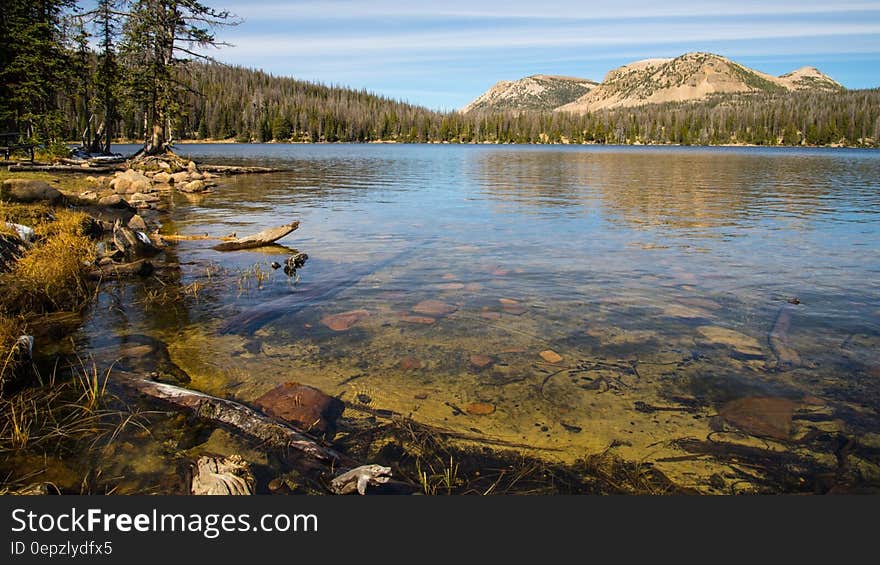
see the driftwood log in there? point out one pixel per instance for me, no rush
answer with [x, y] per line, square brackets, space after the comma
[786, 356]
[90, 170]
[139, 268]
[222, 476]
[234, 170]
[322, 290]
[242, 418]
[265, 237]
[270, 432]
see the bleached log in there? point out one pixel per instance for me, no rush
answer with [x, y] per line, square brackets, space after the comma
[265, 237]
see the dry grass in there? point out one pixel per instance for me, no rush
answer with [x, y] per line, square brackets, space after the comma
[10, 360]
[64, 414]
[51, 276]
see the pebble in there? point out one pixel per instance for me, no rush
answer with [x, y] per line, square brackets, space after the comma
[434, 308]
[480, 361]
[410, 364]
[426, 320]
[421, 396]
[479, 408]
[514, 309]
[550, 356]
[345, 320]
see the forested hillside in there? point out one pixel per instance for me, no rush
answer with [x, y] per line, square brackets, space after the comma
[246, 105]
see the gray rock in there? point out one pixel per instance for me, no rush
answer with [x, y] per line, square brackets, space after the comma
[194, 186]
[137, 223]
[29, 190]
[162, 177]
[114, 201]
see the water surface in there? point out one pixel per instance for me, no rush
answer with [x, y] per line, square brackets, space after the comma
[658, 276]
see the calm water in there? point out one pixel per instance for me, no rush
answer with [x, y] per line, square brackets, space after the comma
[661, 277]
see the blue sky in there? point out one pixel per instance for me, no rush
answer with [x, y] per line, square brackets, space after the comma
[442, 54]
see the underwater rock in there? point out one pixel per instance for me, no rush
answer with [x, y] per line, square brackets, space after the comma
[304, 406]
[434, 308]
[686, 312]
[737, 341]
[514, 309]
[508, 301]
[550, 356]
[345, 320]
[479, 408]
[424, 320]
[762, 416]
[490, 315]
[480, 361]
[449, 286]
[147, 355]
[410, 364]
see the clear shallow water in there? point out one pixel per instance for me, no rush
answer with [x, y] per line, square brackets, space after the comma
[657, 274]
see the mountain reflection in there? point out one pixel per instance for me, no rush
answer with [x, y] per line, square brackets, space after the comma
[677, 191]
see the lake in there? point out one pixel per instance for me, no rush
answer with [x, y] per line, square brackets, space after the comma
[699, 309]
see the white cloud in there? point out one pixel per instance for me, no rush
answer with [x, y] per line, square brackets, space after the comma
[554, 37]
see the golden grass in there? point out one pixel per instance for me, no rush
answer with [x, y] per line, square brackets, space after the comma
[10, 331]
[65, 222]
[27, 214]
[51, 276]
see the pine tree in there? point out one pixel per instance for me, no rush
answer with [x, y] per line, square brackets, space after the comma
[159, 36]
[34, 67]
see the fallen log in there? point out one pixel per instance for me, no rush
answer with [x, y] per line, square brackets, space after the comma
[90, 170]
[222, 476]
[786, 356]
[248, 321]
[270, 432]
[139, 268]
[195, 237]
[239, 417]
[265, 237]
[234, 170]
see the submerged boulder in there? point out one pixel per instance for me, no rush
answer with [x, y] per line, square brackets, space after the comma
[303, 406]
[762, 416]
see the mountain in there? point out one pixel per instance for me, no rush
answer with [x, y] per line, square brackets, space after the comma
[689, 77]
[536, 92]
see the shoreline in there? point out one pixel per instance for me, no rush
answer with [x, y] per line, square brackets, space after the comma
[232, 141]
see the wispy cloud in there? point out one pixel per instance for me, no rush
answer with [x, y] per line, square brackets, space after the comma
[537, 37]
[442, 54]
